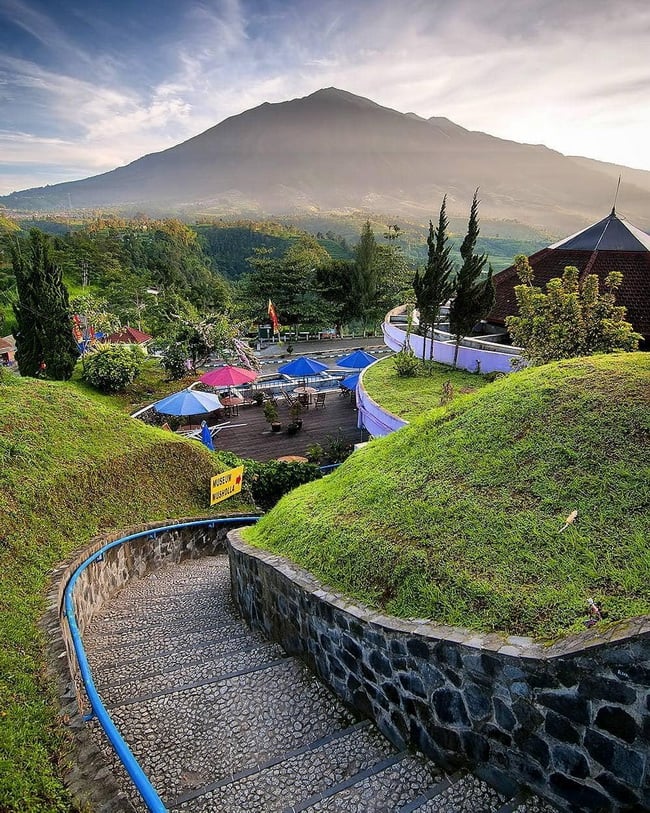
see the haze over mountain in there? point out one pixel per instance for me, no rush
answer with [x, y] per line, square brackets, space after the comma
[333, 150]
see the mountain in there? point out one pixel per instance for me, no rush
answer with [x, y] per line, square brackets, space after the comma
[638, 177]
[333, 150]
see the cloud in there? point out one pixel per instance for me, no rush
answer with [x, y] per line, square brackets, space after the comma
[571, 75]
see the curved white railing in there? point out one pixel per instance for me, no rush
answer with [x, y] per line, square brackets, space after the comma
[375, 419]
[473, 355]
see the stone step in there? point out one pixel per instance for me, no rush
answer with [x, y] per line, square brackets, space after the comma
[149, 616]
[181, 603]
[115, 649]
[180, 676]
[200, 735]
[417, 802]
[464, 794]
[112, 668]
[198, 580]
[293, 776]
[385, 786]
[222, 721]
[138, 611]
[170, 591]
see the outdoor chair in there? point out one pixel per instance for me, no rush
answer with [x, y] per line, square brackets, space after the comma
[289, 398]
[319, 403]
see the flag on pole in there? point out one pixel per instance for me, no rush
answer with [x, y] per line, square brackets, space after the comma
[76, 331]
[273, 316]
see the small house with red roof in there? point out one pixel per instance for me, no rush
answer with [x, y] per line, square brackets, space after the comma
[612, 244]
[7, 351]
[130, 335]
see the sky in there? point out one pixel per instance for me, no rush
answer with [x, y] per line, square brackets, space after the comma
[88, 85]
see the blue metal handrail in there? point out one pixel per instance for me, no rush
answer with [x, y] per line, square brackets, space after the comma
[139, 778]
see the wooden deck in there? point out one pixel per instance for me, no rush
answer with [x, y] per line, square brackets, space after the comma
[256, 441]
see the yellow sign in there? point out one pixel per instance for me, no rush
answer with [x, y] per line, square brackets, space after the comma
[225, 485]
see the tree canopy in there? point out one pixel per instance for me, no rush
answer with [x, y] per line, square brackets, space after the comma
[474, 294]
[572, 318]
[435, 285]
[44, 342]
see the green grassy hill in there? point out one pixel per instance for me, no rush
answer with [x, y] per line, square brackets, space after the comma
[69, 468]
[457, 517]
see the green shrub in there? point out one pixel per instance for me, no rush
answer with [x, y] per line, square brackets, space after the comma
[337, 448]
[174, 361]
[272, 480]
[314, 453]
[265, 483]
[406, 363]
[112, 367]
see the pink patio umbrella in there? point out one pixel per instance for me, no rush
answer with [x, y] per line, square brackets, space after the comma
[228, 376]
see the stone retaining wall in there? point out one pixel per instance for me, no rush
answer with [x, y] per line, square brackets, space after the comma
[571, 720]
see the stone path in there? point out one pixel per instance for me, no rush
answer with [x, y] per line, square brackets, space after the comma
[222, 721]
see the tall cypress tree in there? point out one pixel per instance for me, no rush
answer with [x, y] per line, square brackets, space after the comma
[44, 340]
[474, 296]
[365, 274]
[434, 285]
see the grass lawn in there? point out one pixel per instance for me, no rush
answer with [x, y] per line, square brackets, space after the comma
[70, 467]
[457, 516]
[410, 397]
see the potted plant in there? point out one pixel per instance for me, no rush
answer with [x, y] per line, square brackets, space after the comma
[272, 416]
[295, 410]
[314, 453]
[258, 397]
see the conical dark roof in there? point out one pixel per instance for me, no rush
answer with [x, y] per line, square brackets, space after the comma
[610, 234]
[612, 244]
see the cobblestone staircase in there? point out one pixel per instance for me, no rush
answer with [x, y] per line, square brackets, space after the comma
[222, 721]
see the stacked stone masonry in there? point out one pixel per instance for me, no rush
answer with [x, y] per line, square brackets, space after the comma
[222, 720]
[570, 720]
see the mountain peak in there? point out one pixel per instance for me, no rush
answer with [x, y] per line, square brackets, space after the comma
[333, 149]
[332, 95]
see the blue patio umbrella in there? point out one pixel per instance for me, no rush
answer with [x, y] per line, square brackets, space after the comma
[357, 360]
[206, 436]
[350, 381]
[302, 366]
[188, 402]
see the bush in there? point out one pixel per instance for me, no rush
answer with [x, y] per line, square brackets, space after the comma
[406, 363]
[112, 367]
[314, 453]
[337, 448]
[272, 480]
[267, 482]
[174, 361]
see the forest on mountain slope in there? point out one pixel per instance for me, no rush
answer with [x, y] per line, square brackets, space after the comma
[150, 273]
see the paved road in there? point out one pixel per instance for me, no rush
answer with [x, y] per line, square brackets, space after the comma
[327, 351]
[223, 721]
